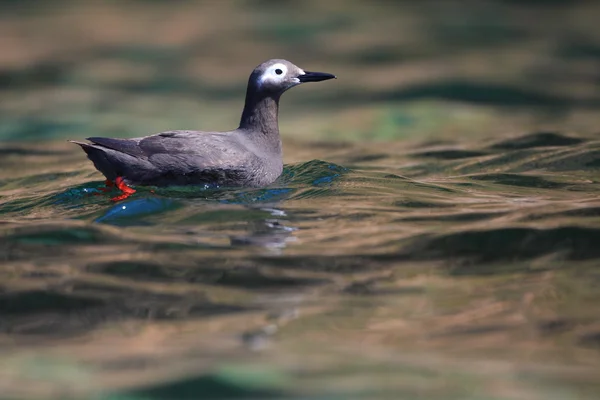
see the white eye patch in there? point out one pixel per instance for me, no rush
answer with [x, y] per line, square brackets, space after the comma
[275, 74]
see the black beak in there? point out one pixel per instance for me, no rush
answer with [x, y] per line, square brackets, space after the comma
[315, 76]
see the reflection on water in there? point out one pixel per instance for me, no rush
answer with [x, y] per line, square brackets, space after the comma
[437, 271]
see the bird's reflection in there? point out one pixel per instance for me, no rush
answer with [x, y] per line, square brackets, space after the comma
[130, 210]
[271, 233]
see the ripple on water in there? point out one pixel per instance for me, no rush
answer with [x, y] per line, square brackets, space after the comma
[489, 251]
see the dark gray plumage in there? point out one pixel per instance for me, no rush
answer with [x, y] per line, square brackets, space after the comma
[248, 156]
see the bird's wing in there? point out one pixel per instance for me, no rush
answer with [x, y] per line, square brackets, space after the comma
[201, 148]
[182, 142]
[127, 146]
[171, 142]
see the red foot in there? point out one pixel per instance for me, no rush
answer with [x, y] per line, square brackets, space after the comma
[120, 197]
[122, 186]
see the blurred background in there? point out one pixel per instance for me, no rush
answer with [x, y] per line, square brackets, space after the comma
[434, 234]
[406, 69]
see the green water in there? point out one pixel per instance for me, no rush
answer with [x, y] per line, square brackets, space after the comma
[441, 272]
[435, 233]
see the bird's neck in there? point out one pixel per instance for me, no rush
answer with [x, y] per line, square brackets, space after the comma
[259, 118]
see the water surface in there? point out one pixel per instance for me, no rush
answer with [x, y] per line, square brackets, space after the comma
[440, 270]
[435, 234]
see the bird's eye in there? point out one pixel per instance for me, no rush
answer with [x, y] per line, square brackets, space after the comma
[278, 71]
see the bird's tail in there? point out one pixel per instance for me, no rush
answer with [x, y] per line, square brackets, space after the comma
[97, 154]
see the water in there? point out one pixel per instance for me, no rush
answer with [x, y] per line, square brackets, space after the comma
[449, 251]
[439, 270]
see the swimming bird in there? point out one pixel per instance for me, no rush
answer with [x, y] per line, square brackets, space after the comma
[249, 156]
